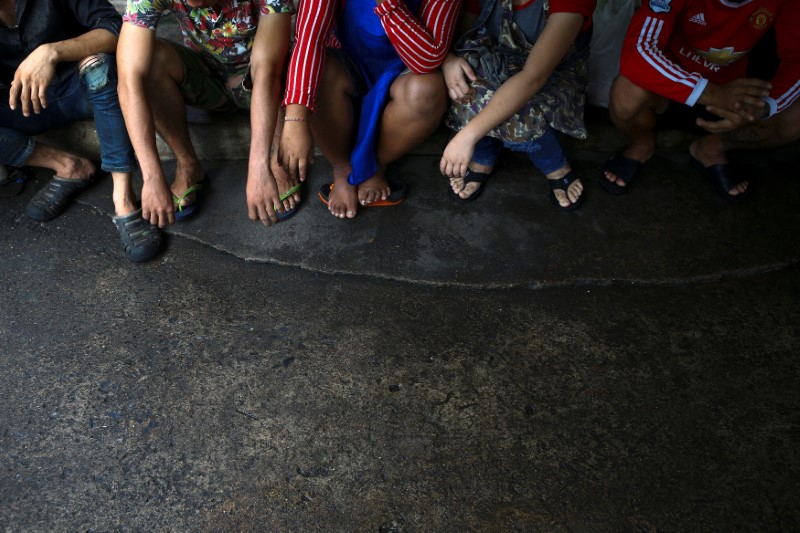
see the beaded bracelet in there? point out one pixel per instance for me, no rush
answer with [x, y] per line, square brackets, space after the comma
[294, 119]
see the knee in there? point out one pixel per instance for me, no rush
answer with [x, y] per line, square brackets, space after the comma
[787, 124]
[424, 96]
[336, 81]
[627, 99]
[166, 66]
[96, 71]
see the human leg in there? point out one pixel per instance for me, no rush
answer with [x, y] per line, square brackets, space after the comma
[633, 111]
[709, 153]
[141, 240]
[548, 156]
[99, 76]
[415, 109]
[66, 104]
[333, 127]
[18, 148]
[179, 77]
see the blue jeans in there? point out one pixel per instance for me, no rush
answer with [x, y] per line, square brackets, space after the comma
[90, 94]
[545, 152]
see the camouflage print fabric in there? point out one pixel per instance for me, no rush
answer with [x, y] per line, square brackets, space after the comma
[559, 103]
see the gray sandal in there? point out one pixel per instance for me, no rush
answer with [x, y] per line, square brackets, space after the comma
[140, 239]
[54, 198]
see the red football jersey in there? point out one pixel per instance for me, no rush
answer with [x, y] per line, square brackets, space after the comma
[675, 47]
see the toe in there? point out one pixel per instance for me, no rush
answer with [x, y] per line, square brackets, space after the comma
[468, 190]
[575, 190]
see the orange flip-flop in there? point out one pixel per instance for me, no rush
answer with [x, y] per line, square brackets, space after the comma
[397, 196]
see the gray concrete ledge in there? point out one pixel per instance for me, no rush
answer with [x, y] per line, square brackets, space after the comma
[513, 236]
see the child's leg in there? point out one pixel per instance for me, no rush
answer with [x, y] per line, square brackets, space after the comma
[548, 156]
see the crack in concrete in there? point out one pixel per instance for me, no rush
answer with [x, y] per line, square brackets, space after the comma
[700, 279]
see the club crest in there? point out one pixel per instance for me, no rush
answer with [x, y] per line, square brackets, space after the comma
[660, 6]
[761, 18]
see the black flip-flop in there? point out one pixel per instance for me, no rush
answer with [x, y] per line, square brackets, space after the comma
[562, 184]
[723, 180]
[472, 177]
[624, 168]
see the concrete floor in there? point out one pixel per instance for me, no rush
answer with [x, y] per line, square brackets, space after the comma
[647, 384]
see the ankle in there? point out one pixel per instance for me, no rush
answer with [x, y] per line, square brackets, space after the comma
[560, 173]
[124, 205]
[483, 169]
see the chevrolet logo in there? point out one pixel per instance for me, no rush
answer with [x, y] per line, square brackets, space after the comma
[722, 56]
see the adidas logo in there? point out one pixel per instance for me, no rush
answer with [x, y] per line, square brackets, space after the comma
[699, 19]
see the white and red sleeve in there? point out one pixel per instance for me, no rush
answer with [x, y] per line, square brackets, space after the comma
[786, 83]
[314, 26]
[644, 62]
[421, 43]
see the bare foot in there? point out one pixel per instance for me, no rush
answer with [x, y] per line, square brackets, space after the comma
[284, 182]
[374, 189]
[573, 192]
[186, 175]
[465, 189]
[343, 200]
[65, 165]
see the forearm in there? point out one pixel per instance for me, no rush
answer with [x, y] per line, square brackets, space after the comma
[314, 24]
[264, 107]
[507, 100]
[545, 56]
[422, 43]
[140, 123]
[75, 49]
[134, 57]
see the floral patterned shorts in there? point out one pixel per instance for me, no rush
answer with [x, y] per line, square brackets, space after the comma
[207, 85]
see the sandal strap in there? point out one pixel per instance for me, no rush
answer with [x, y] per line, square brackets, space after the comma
[623, 167]
[139, 237]
[291, 191]
[177, 200]
[725, 178]
[476, 177]
[563, 183]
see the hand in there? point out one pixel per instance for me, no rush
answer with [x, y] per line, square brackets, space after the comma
[262, 194]
[157, 205]
[730, 120]
[296, 149]
[31, 80]
[456, 157]
[742, 96]
[457, 76]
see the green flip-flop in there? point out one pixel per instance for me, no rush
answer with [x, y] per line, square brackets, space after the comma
[289, 212]
[182, 212]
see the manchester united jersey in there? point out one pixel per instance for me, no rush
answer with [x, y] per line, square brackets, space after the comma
[675, 47]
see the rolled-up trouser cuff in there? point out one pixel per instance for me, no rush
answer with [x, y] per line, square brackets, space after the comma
[21, 156]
